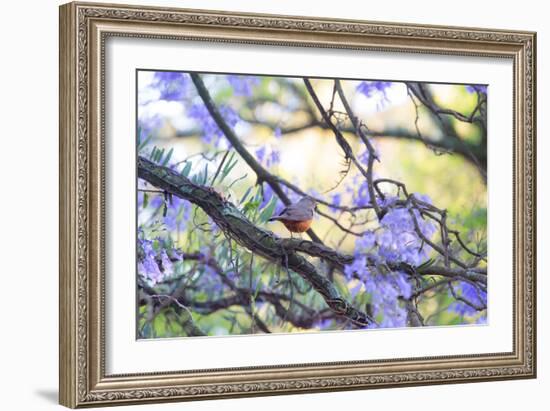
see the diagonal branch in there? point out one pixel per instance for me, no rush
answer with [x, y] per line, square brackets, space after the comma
[261, 173]
[235, 225]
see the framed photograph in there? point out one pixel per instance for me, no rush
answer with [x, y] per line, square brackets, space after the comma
[258, 204]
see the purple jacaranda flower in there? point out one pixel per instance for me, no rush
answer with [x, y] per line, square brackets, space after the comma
[178, 214]
[482, 319]
[147, 248]
[210, 130]
[477, 298]
[398, 220]
[268, 156]
[149, 270]
[357, 269]
[324, 324]
[387, 201]
[232, 275]
[474, 88]
[172, 85]
[362, 195]
[371, 88]
[461, 308]
[384, 290]
[274, 158]
[206, 252]
[402, 283]
[267, 193]
[260, 153]
[364, 156]
[398, 240]
[155, 201]
[423, 197]
[335, 200]
[167, 266]
[376, 90]
[148, 126]
[243, 85]
[365, 243]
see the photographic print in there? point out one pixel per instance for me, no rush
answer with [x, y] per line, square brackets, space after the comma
[273, 204]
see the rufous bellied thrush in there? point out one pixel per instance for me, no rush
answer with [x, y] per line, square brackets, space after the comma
[297, 217]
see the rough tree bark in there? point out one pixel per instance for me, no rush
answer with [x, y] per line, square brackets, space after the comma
[235, 225]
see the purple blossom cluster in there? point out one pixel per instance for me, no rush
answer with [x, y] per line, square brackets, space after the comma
[373, 88]
[154, 264]
[268, 155]
[210, 130]
[148, 125]
[472, 294]
[336, 200]
[383, 286]
[398, 240]
[394, 241]
[173, 86]
[243, 85]
[359, 191]
[475, 88]
[176, 216]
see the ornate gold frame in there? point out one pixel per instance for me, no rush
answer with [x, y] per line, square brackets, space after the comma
[83, 30]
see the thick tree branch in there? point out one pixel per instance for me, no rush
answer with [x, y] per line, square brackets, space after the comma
[236, 226]
[261, 173]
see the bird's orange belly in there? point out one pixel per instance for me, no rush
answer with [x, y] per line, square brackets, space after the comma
[297, 226]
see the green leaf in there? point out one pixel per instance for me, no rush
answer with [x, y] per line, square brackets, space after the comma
[259, 194]
[245, 195]
[186, 169]
[426, 264]
[160, 153]
[251, 206]
[205, 177]
[220, 167]
[142, 144]
[167, 158]
[268, 210]
[228, 167]
[145, 200]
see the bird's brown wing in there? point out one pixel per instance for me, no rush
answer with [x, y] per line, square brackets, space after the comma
[296, 213]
